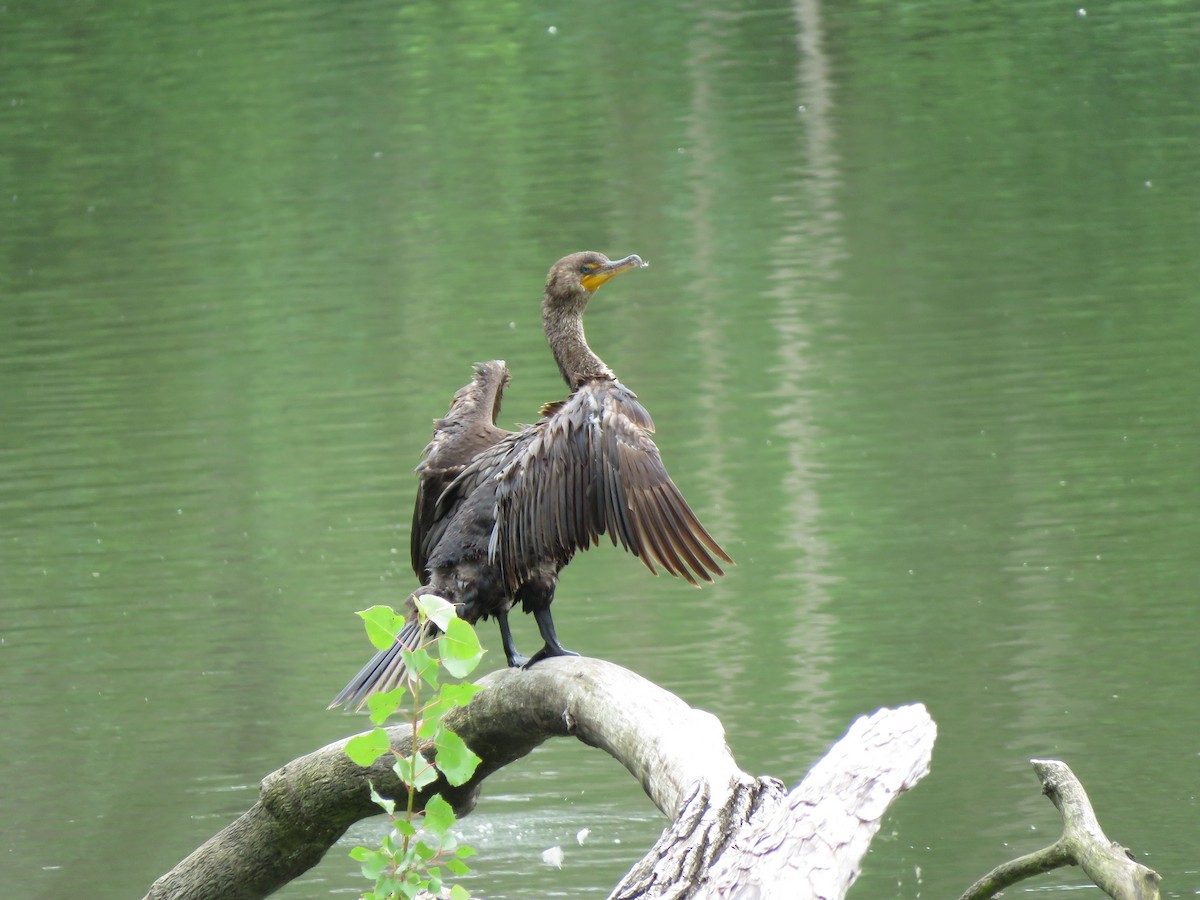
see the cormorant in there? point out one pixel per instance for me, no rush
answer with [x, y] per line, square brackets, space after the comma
[499, 513]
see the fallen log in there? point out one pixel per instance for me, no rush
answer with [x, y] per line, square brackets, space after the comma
[731, 832]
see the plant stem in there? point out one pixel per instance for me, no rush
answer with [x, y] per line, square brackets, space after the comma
[414, 685]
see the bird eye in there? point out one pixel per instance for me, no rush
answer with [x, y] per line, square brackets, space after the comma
[586, 268]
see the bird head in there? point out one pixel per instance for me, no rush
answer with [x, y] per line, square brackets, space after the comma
[576, 277]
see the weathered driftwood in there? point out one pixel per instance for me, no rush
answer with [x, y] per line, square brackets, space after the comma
[1083, 844]
[806, 844]
[733, 834]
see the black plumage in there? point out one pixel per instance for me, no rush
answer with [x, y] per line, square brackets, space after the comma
[498, 513]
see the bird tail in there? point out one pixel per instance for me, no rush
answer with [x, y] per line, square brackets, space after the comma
[386, 670]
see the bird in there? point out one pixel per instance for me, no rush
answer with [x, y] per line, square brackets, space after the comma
[499, 513]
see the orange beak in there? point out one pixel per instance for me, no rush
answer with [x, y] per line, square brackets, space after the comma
[593, 280]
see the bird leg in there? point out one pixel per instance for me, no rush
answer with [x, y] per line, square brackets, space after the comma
[514, 658]
[546, 626]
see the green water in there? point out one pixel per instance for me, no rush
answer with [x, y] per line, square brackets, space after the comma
[920, 335]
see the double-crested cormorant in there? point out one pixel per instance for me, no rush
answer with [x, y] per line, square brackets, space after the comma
[499, 513]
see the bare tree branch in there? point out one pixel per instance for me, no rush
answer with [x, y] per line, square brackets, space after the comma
[1083, 843]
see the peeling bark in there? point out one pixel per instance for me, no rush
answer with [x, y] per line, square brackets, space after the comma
[812, 844]
[679, 863]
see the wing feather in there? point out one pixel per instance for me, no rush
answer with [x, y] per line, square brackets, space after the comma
[659, 541]
[671, 539]
[590, 467]
[685, 528]
[466, 431]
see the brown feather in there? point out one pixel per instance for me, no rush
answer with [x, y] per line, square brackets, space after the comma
[498, 513]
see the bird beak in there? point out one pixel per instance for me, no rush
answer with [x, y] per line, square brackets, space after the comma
[593, 280]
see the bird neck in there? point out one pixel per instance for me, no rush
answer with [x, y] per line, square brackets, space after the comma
[576, 360]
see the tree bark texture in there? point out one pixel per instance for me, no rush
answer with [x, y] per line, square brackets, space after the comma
[732, 832]
[810, 843]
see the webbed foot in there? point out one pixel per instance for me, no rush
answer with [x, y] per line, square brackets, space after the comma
[546, 652]
[553, 648]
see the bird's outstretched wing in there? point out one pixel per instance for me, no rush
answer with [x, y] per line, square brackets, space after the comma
[466, 431]
[590, 468]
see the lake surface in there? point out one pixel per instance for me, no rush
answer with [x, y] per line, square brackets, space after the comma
[920, 335]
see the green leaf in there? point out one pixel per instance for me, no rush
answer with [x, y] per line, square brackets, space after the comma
[364, 749]
[458, 892]
[450, 696]
[389, 805]
[454, 758]
[382, 625]
[425, 852]
[437, 610]
[406, 861]
[464, 851]
[459, 649]
[429, 727]
[388, 843]
[434, 884]
[420, 663]
[373, 862]
[405, 828]
[457, 866]
[387, 886]
[384, 705]
[423, 775]
[439, 817]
